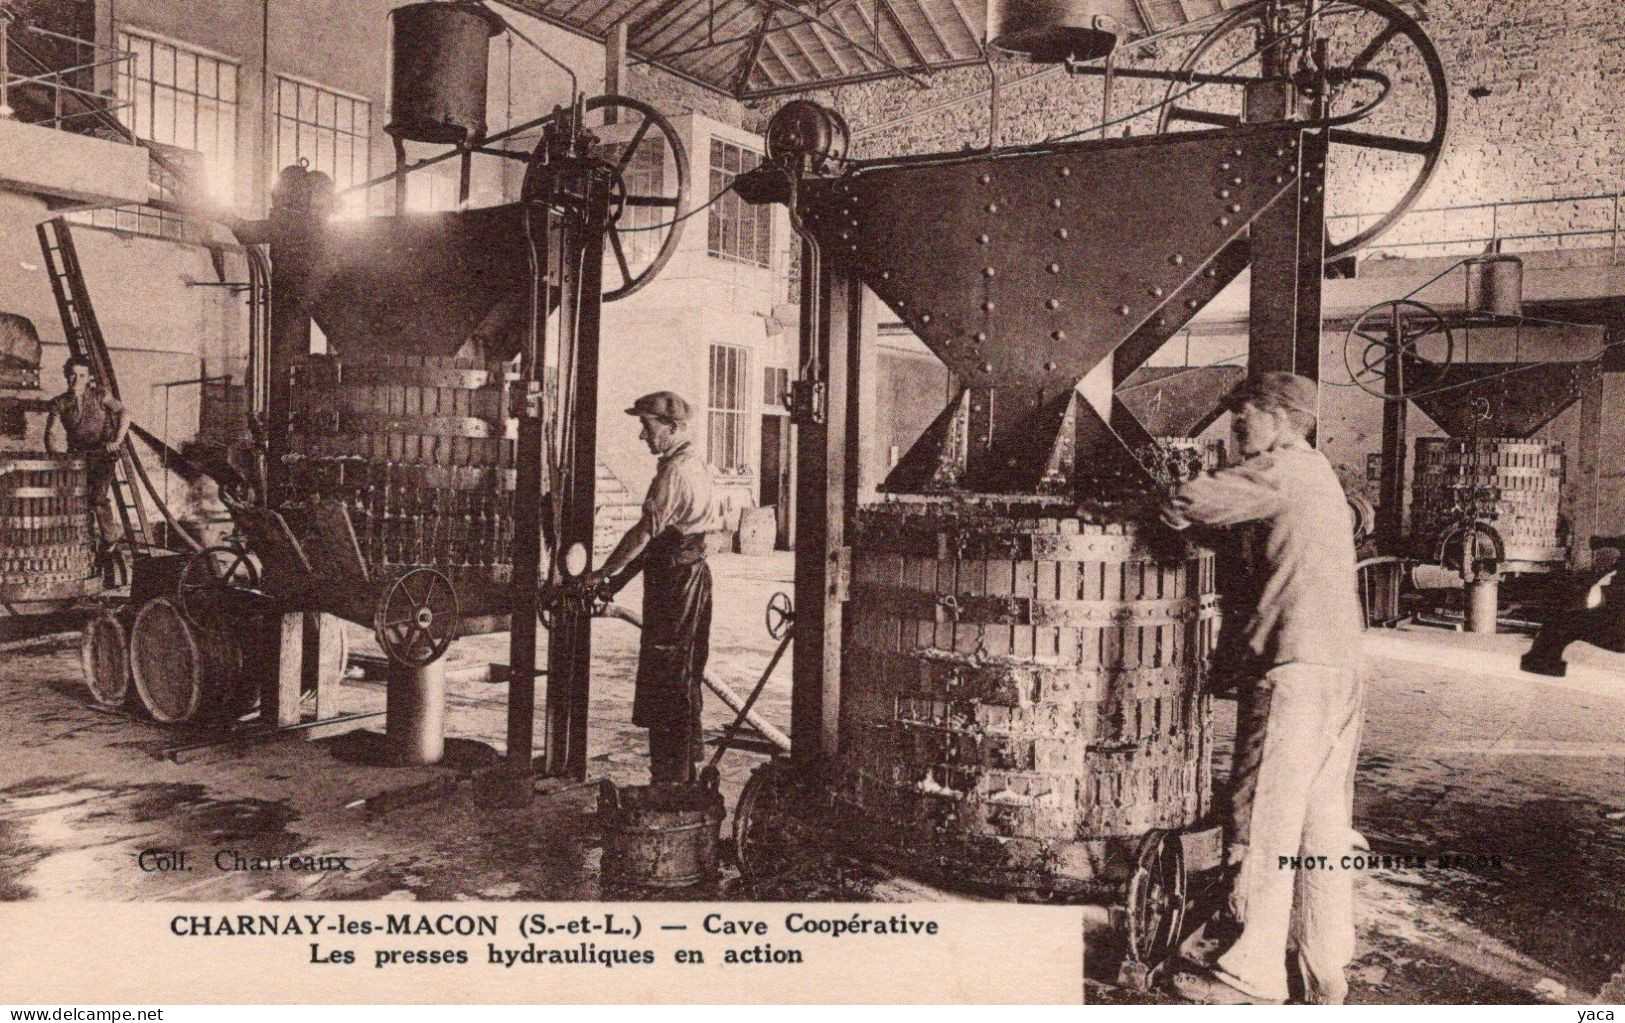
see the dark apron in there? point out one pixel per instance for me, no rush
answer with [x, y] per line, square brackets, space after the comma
[676, 639]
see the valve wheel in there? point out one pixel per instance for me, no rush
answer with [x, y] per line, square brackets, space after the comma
[781, 614]
[1357, 32]
[1389, 338]
[1155, 903]
[761, 848]
[209, 575]
[417, 618]
[632, 263]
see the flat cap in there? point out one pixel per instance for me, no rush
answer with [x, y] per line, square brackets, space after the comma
[665, 404]
[1275, 390]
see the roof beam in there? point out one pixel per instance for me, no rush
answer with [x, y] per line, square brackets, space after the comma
[748, 61]
[786, 6]
[885, 7]
[830, 48]
[710, 30]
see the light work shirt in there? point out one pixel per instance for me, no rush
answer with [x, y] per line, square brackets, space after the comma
[1305, 605]
[680, 495]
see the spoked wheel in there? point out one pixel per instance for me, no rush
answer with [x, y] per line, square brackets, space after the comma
[781, 614]
[417, 618]
[204, 591]
[1380, 67]
[1389, 338]
[650, 197]
[761, 846]
[1156, 899]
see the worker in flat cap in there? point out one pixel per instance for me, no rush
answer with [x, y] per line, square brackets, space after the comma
[1301, 703]
[668, 544]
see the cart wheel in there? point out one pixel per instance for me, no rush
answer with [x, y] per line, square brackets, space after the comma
[201, 591]
[417, 618]
[760, 844]
[1156, 898]
[781, 614]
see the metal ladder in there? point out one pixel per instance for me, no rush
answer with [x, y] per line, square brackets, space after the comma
[85, 341]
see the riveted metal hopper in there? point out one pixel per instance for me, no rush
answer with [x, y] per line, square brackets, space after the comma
[422, 284]
[1178, 401]
[1499, 399]
[1024, 269]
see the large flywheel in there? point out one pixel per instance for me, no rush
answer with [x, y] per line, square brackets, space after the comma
[650, 196]
[1347, 61]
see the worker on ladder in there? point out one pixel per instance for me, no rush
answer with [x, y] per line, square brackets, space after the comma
[1301, 707]
[95, 425]
[669, 543]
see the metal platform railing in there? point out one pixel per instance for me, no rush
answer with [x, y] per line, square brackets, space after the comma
[1588, 221]
[71, 105]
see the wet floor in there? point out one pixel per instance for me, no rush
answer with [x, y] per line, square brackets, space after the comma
[1520, 778]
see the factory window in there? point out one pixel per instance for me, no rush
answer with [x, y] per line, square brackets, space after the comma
[738, 230]
[327, 129]
[728, 421]
[645, 175]
[775, 381]
[182, 98]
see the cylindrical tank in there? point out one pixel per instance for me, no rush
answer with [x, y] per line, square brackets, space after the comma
[1021, 696]
[439, 57]
[421, 451]
[1495, 285]
[1512, 485]
[47, 542]
[1050, 31]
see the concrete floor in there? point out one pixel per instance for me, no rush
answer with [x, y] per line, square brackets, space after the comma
[1463, 754]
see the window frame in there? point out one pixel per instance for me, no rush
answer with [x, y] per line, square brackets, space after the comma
[729, 214]
[728, 409]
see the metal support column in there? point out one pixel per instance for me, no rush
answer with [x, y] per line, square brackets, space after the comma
[569, 649]
[292, 237]
[1288, 250]
[530, 485]
[827, 447]
[1391, 474]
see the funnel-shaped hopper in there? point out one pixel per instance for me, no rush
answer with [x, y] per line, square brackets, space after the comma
[422, 284]
[1024, 269]
[1498, 399]
[1178, 401]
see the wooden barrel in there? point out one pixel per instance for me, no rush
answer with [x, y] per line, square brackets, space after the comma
[1514, 486]
[758, 529]
[186, 674]
[47, 542]
[1021, 693]
[104, 653]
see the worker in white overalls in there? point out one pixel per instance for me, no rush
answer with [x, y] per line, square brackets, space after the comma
[1298, 731]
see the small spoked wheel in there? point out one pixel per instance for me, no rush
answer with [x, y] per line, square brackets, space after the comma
[761, 847]
[1156, 898]
[203, 591]
[781, 614]
[417, 618]
[1404, 339]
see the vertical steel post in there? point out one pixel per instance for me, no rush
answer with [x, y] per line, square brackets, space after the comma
[569, 650]
[530, 485]
[1391, 485]
[1288, 251]
[826, 487]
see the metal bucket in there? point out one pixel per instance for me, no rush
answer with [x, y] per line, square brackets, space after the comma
[661, 836]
